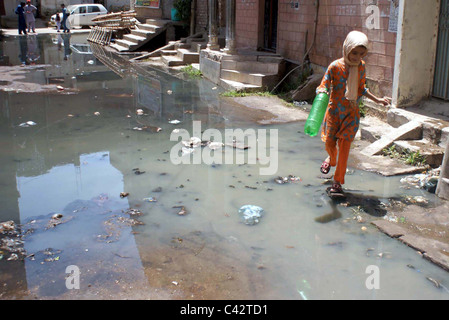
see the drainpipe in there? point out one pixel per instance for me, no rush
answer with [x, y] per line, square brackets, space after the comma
[317, 5]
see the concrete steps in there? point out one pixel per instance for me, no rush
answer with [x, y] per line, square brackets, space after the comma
[250, 72]
[406, 131]
[139, 36]
[432, 153]
[184, 52]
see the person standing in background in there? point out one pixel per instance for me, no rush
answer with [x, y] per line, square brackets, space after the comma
[65, 15]
[21, 13]
[30, 11]
[58, 21]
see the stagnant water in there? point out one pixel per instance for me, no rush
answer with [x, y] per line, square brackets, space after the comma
[83, 150]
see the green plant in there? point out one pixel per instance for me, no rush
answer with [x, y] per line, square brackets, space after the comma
[415, 158]
[191, 71]
[183, 9]
[391, 152]
[234, 94]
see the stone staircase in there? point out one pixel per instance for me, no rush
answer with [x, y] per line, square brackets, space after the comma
[406, 130]
[187, 51]
[140, 35]
[250, 72]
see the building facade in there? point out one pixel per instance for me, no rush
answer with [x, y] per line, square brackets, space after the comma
[409, 46]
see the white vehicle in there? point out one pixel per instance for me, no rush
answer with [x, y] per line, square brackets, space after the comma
[81, 14]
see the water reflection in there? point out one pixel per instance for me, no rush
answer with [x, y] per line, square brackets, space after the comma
[83, 152]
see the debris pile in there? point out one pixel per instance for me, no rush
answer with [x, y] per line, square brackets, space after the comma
[427, 181]
[11, 242]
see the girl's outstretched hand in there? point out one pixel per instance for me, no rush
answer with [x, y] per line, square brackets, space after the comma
[384, 101]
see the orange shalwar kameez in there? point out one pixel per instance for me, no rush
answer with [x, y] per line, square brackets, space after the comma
[342, 117]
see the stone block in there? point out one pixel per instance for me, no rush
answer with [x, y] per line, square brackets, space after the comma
[408, 131]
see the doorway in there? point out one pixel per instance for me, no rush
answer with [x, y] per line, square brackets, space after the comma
[270, 24]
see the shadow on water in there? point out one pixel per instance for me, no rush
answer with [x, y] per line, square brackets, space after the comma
[370, 204]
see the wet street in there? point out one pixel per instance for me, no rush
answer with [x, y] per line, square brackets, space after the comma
[89, 178]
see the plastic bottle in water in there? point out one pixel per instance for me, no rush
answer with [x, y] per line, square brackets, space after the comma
[251, 214]
[316, 114]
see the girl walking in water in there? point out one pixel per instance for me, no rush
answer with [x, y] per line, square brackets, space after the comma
[344, 82]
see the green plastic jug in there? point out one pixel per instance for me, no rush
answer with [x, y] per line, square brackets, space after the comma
[316, 114]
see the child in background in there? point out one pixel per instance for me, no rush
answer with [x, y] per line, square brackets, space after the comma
[58, 22]
[344, 81]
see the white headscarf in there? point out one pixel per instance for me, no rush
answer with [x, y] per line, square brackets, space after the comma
[353, 40]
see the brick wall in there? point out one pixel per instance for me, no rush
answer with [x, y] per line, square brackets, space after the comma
[336, 18]
[246, 29]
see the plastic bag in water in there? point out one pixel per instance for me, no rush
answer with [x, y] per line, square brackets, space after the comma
[251, 214]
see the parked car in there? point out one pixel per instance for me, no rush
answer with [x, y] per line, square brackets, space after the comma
[81, 14]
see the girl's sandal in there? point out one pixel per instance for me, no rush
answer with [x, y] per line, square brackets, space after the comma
[325, 167]
[336, 188]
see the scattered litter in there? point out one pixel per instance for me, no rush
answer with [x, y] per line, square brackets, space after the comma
[137, 171]
[60, 88]
[133, 212]
[300, 103]
[174, 121]
[7, 226]
[148, 129]
[27, 124]
[251, 214]
[56, 216]
[181, 212]
[139, 112]
[435, 282]
[124, 194]
[169, 92]
[90, 62]
[175, 283]
[215, 145]
[194, 142]
[289, 178]
[97, 113]
[150, 199]
[427, 181]
[415, 200]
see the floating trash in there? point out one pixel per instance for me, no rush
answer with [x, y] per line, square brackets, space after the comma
[215, 145]
[427, 181]
[192, 143]
[27, 124]
[289, 178]
[251, 214]
[182, 211]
